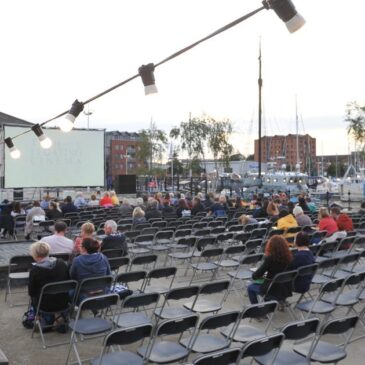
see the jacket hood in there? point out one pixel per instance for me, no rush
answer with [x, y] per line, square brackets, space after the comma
[91, 262]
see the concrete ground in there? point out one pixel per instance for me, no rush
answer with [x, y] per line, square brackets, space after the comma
[21, 349]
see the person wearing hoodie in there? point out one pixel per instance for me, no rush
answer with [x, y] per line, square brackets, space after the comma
[91, 263]
[46, 270]
[285, 221]
[114, 240]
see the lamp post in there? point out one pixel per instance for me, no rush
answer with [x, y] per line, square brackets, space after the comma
[126, 163]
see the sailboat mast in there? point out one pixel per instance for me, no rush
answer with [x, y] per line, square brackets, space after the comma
[297, 167]
[260, 112]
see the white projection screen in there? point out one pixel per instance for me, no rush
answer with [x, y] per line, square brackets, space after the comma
[74, 159]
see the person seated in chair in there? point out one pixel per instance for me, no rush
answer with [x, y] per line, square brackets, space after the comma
[114, 240]
[57, 242]
[35, 212]
[47, 270]
[303, 257]
[277, 260]
[68, 206]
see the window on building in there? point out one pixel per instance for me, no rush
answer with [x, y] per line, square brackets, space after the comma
[116, 147]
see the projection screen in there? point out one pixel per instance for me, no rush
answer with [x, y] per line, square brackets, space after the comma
[74, 159]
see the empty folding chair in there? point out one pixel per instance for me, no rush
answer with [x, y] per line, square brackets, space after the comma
[327, 250]
[206, 304]
[204, 232]
[199, 225]
[274, 232]
[134, 310]
[144, 260]
[250, 227]
[143, 243]
[328, 352]
[161, 241]
[188, 248]
[325, 266]
[164, 277]
[19, 225]
[258, 233]
[159, 224]
[205, 341]
[244, 272]
[213, 224]
[56, 300]
[123, 337]
[270, 344]
[139, 227]
[181, 233]
[149, 230]
[227, 261]
[246, 332]
[242, 237]
[236, 228]
[113, 252]
[223, 357]
[90, 327]
[168, 310]
[116, 263]
[346, 265]
[18, 271]
[318, 306]
[293, 332]
[225, 238]
[215, 231]
[169, 350]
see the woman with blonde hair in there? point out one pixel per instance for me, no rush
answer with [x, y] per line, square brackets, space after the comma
[138, 216]
[245, 219]
[87, 231]
[114, 198]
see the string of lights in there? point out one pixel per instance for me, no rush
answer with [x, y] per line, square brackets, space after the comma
[285, 9]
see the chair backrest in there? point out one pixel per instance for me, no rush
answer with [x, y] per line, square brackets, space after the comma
[235, 228]
[251, 259]
[258, 233]
[242, 236]
[204, 241]
[301, 329]
[159, 224]
[223, 357]
[250, 227]
[253, 244]
[178, 325]
[144, 260]
[62, 256]
[166, 235]
[214, 287]
[260, 309]
[127, 336]
[199, 225]
[211, 252]
[182, 233]
[217, 230]
[219, 320]
[284, 277]
[21, 263]
[163, 272]
[202, 232]
[263, 346]
[116, 262]
[144, 238]
[149, 230]
[349, 258]
[307, 270]
[234, 250]
[328, 263]
[213, 224]
[182, 293]
[331, 286]
[113, 252]
[94, 286]
[339, 325]
[294, 229]
[130, 277]
[140, 300]
[99, 302]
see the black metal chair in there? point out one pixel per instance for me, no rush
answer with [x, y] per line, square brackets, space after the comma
[223, 357]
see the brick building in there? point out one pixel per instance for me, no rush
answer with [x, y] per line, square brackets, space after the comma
[121, 154]
[278, 150]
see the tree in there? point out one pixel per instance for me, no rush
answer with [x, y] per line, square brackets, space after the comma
[152, 145]
[178, 167]
[237, 157]
[355, 116]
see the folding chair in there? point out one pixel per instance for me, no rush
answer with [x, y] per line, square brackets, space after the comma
[160, 274]
[205, 341]
[270, 344]
[293, 332]
[62, 296]
[187, 244]
[227, 259]
[19, 225]
[328, 352]
[345, 265]
[134, 316]
[18, 271]
[144, 260]
[159, 224]
[202, 304]
[126, 278]
[258, 233]
[90, 327]
[143, 242]
[327, 250]
[168, 351]
[244, 332]
[168, 311]
[236, 228]
[149, 230]
[116, 263]
[123, 337]
[93, 286]
[306, 273]
[223, 357]
[113, 252]
[327, 265]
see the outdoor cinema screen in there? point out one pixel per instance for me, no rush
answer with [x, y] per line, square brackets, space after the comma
[74, 159]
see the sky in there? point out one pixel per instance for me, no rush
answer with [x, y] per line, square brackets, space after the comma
[56, 51]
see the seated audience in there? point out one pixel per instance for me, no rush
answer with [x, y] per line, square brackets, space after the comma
[91, 263]
[303, 257]
[46, 270]
[54, 212]
[114, 198]
[362, 209]
[152, 210]
[125, 208]
[326, 222]
[303, 204]
[182, 209]
[245, 219]
[138, 216]
[260, 209]
[197, 206]
[6, 218]
[220, 208]
[93, 202]
[58, 243]
[68, 206]
[301, 218]
[285, 221]
[44, 204]
[35, 213]
[87, 231]
[17, 210]
[114, 239]
[106, 201]
[344, 222]
[272, 209]
[277, 259]
[80, 200]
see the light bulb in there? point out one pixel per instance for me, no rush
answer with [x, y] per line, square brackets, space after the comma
[67, 123]
[14, 153]
[45, 141]
[295, 23]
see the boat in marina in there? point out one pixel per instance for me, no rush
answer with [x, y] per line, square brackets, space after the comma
[352, 185]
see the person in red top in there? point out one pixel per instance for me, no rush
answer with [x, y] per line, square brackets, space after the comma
[106, 200]
[326, 222]
[344, 222]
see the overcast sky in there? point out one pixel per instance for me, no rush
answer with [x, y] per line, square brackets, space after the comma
[56, 51]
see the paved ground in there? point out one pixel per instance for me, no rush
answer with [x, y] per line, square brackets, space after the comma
[21, 349]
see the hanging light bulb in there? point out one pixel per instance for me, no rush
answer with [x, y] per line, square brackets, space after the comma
[14, 152]
[67, 123]
[148, 78]
[286, 11]
[45, 141]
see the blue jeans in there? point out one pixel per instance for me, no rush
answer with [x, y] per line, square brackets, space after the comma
[253, 291]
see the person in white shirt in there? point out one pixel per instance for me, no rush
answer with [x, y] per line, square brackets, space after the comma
[58, 243]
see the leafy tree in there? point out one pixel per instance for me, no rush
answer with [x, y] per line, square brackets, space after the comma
[237, 157]
[355, 116]
[152, 145]
[178, 167]
[331, 170]
[250, 158]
